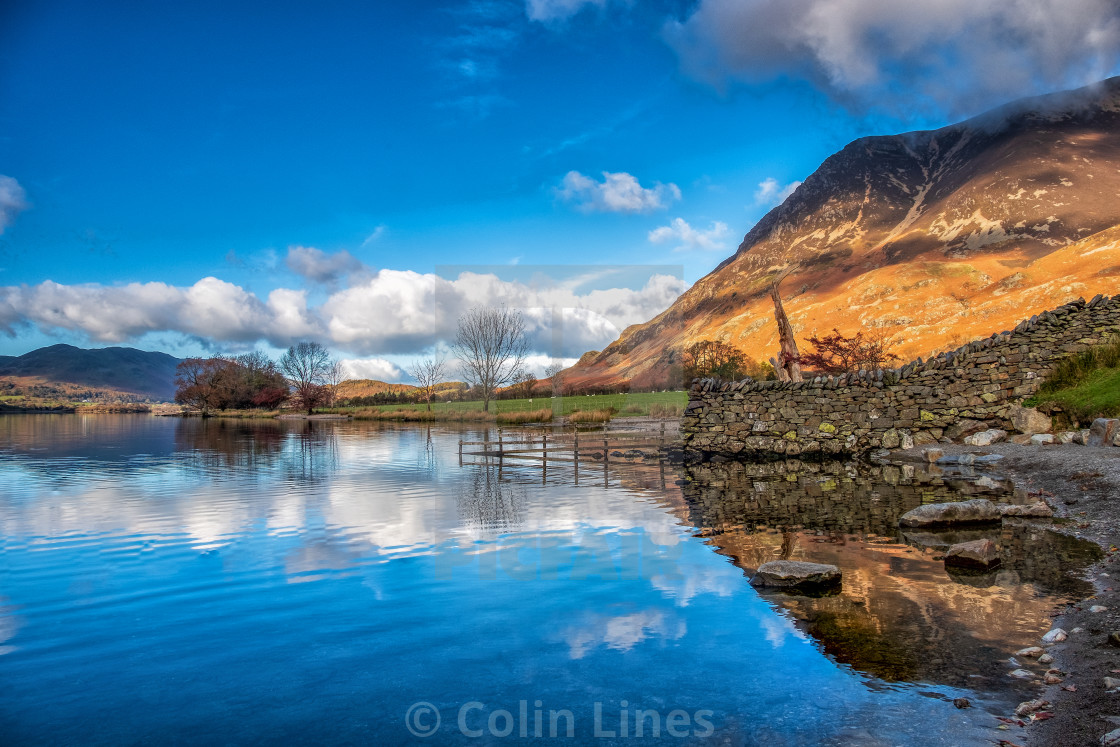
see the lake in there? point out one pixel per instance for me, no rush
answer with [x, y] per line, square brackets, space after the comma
[247, 582]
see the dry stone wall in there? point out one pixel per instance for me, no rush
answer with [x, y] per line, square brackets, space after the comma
[917, 403]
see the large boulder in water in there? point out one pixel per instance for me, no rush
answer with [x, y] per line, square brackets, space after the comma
[796, 574]
[976, 511]
[981, 555]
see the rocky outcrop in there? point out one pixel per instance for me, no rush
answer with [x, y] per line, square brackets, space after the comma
[796, 575]
[977, 387]
[976, 511]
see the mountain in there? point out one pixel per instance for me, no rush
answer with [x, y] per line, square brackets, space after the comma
[124, 370]
[933, 237]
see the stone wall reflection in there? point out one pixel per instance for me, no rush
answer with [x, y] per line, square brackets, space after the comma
[900, 616]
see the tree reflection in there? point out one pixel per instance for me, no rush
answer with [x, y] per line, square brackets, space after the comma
[312, 452]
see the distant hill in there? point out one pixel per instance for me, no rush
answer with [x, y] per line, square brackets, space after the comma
[935, 238]
[355, 388]
[125, 370]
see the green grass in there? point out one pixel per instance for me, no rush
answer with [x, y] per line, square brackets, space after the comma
[628, 404]
[1086, 385]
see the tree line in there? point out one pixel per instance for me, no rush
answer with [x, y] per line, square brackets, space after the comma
[490, 348]
[305, 377]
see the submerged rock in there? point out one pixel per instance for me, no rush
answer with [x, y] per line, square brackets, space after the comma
[981, 554]
[976, 511]
[964, 459]
[1112, 739]
[796, 574]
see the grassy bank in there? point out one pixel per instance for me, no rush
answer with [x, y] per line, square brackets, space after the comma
[593, 408]
[1085, 386]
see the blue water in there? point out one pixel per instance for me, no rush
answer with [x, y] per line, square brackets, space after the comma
[226, 582]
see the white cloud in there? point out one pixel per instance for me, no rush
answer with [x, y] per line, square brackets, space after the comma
[13, 201]
[320, 267]
[691, 238]
[378, 369]
[211, 308]
[557, 10]
[375, 235]
[617, 193]
[389, 311]
[954, 56]
[770, 192]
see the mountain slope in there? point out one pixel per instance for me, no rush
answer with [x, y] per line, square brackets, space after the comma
[935, 237]
[121, 369]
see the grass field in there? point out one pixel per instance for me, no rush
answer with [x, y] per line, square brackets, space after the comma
[669, 404]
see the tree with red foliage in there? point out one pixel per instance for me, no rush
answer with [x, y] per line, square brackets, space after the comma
[204, 383]
[837, 354]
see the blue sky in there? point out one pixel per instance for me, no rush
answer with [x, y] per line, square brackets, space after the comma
[213, 177]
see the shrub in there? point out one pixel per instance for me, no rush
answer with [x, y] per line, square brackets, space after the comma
[591, 416]
[658, 410]
[837, 354]
[543, 415]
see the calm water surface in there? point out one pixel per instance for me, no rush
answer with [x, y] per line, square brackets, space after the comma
[185, 581]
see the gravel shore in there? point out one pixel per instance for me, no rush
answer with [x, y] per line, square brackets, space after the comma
[1082, 485]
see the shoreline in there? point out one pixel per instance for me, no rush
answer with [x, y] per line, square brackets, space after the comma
[1082, 485]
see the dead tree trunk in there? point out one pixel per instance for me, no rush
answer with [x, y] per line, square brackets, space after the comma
[786, 365]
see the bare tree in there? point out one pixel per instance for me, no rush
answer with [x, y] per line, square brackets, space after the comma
[335, 375]
[428, 372]
[786, 364]
[523, 383]
[307, 366]
[553, 374]
[491, 347]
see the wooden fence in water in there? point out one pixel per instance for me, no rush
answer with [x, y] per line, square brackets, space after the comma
[592, 449]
